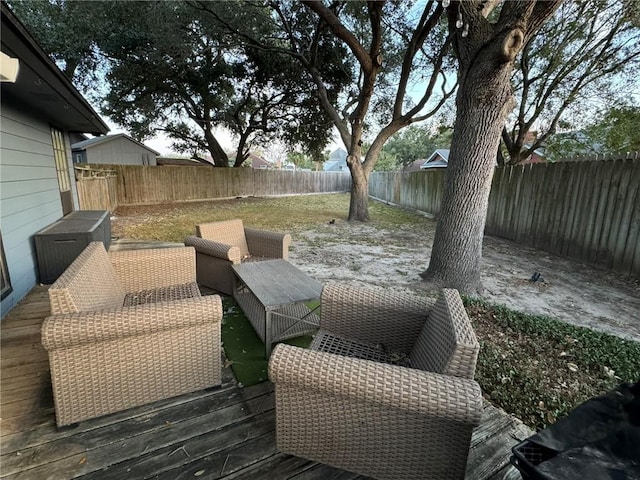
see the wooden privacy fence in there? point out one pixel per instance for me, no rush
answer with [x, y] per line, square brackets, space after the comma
[97, 189]
[148, 185]
[418, 190]
[589, 210]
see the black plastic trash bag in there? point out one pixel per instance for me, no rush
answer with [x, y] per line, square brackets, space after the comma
[598, 440]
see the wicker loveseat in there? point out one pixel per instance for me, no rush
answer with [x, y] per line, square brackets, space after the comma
[221, 244]
[129, 328]
[405, 409]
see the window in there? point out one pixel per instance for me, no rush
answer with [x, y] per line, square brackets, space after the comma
[78, 158]
[62, 169]
[60, 155]
[5, 282]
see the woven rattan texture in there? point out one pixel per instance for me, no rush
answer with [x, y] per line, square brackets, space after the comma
[447, 343]
[89, 283]
[65, 331]
[396, 387]
[282, 327]
[385, 421]
[164, 294]
[373, 418]
[100, 378]
[373, 316]
[370, 439]
[230, 232]
[263, 243]
[214, 249]
[107, 359]
[285, 327]
[154, 267]
[223, 244]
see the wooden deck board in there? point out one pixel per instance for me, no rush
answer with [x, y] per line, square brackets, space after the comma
[227, 433]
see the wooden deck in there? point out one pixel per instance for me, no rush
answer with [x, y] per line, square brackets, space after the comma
[227, 433]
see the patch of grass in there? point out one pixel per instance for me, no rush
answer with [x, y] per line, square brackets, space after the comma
[539, 369]
[244, 349]
[173, 222]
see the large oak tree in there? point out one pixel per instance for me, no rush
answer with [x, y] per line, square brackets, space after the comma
[397, 55]
[492, 35]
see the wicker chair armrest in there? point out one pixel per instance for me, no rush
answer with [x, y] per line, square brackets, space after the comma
[154, 267]
[400, 388]
[214, 249]
[263, 243]
[374, 316]
[64, 331]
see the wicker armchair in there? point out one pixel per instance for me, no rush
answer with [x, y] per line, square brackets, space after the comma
[221, 244]
[401, 405]
[129, 328]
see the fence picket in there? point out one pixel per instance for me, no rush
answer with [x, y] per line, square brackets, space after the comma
[587, 209]
[148, 185]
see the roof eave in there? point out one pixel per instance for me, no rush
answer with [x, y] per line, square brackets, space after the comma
[39, 72]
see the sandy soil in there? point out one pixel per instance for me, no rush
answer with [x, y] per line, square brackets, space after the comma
[571, 291]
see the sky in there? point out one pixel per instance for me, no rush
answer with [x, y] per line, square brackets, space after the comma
[162, 144]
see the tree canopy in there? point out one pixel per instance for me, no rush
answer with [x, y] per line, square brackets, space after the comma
[418, 142]
[394, 54]
[586, 54]
[171, 69]
[615, 130]
[181, 74]
[67, 30]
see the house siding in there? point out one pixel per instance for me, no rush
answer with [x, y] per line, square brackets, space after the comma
[29, 194]
[79, 156]
[119, 151]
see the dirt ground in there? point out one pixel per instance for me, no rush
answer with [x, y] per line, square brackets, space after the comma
[570, 290]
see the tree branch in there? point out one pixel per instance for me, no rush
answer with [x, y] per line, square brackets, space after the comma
[341, 32]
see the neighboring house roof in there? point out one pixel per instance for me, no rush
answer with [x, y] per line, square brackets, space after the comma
[75, 137]
[258, 162]
[40, 85]
[189, 162]
[438, 159]
[92, 142]
[338, 155]
[414, 166]
[334, 166]
[538, 156]
[337, 161]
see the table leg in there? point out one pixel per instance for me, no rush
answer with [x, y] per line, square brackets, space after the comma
[267, 334]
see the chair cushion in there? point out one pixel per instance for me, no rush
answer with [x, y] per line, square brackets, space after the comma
[230, 232]
[164, 294]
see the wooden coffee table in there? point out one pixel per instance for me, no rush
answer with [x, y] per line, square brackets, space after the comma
[272, 294]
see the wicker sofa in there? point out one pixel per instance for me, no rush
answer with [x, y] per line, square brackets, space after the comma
[129, 328]
[221, 244]
[395, 400]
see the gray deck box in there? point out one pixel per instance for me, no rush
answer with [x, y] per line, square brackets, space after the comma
[61, 242]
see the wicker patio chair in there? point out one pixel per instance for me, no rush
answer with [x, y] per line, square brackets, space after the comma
[129, 328]
[221, 244]
[386, 389]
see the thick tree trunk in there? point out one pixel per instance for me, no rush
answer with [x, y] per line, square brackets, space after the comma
[241, 154]
[220, 158]
[483, 101]
[359, 202]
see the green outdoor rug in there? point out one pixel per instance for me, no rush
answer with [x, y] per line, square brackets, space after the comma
[243, 348]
